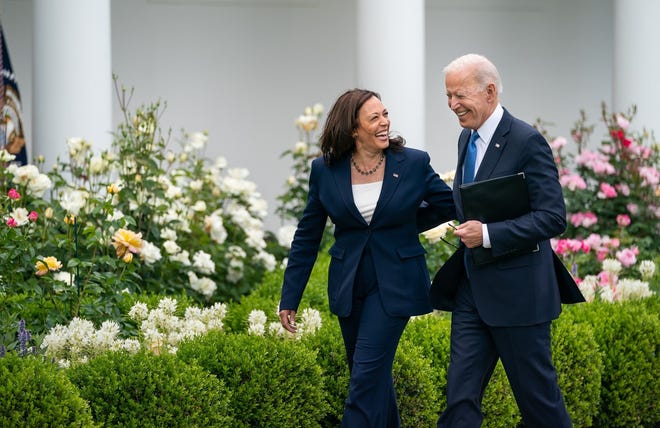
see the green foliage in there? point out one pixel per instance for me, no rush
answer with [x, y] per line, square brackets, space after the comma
[37, 393]
[328, 345]
[147, 390]
[499, 405]
[275, 383]
[439, 244]
[430, 333]
[578, 360]
[628, 338]
[414, 383]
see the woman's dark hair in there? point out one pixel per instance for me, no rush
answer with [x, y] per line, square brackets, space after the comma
[337, 136]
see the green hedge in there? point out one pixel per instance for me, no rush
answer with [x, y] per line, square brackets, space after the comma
[330, 355]
[414, 383]
[628, 336]
[275, 382]
[579, 363]
[37, 393]
[147, 390]
[606, 355]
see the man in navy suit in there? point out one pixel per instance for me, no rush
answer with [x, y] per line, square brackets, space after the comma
[503, 309]
[371, 187]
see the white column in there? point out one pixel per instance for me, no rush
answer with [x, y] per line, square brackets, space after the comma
[72, 77]
[636, 61]
[390, 61]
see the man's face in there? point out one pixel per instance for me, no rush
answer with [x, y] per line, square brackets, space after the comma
[471, 102]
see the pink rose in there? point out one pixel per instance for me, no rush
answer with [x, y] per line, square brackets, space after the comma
[622, 220]
[604, 278]
[627, 257]
[607, 191]
[13, 194]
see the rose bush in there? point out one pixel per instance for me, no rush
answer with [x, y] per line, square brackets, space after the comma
[612, 196]
[145, 217]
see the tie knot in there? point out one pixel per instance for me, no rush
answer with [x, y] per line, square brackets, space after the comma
[474, 137]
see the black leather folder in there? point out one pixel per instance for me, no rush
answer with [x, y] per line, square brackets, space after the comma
[496, 199]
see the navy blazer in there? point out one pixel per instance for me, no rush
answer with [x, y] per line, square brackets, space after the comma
[524, 289]
[392, 235]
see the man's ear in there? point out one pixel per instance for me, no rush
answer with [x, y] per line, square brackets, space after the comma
[491, 90]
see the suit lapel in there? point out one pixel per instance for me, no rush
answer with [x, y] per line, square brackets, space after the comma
[462, 149]
[495, 148]
[395, 168]
[342, 176]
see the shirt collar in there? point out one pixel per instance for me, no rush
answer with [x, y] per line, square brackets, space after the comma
[488, 128]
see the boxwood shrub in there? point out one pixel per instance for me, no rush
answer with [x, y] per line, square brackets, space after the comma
[415, 386]
[628, 336]
[147, 390]
[328, 345]
[37, 393]
[577, 358]
[275, 382]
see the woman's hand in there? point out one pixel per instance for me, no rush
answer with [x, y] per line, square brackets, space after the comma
[288, 320]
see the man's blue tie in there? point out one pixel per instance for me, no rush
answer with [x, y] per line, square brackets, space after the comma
[470, 159]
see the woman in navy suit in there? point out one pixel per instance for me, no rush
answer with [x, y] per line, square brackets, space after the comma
[371, 187]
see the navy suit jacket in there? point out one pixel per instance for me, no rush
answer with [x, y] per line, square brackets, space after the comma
[392, 235]
[524, 289]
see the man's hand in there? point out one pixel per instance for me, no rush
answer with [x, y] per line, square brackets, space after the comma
[288, 320]
[470, 233]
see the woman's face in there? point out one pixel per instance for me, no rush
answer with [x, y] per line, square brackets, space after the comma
[373, 131]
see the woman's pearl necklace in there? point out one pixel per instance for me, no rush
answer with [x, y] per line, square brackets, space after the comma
[372, 170]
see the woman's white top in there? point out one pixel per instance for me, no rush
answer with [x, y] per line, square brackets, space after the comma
[365, 197]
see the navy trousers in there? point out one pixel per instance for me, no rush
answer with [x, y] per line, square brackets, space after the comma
[371, 337]
[526, 356]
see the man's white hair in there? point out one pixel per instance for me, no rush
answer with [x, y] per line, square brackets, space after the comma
[485, 71]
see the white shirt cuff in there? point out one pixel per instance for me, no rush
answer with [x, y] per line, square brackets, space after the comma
[486, 237]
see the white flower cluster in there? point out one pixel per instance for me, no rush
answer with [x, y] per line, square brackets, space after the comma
[285, 235]
[162, 330]
[30, 177]
[608, 287]
[309, 323]
[80, 341]
[73, 200]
